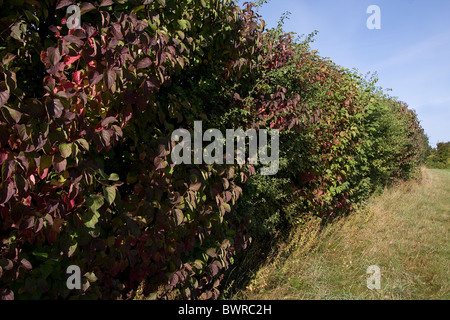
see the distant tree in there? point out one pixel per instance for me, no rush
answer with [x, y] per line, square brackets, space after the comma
[440, 156]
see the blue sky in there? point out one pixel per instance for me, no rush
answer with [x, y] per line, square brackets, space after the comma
[410, 53]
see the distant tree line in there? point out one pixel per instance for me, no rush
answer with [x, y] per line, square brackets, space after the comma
[440, 156]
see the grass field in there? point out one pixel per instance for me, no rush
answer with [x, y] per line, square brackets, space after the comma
[404, 231]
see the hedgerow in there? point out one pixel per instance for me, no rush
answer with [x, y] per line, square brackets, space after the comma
[85, 141]
[342, 137]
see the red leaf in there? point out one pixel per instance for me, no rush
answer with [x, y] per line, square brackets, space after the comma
[144, 63]
[4, 93]
[39, 225]
[59, 163]
[106, 3]
[27, 223]
[53, 55]
[44, 57]
[8, 169]
[3, 156]
[68, 60]
[26, 264]
[163, 149]
[63, 3]
[107, 121]
[109, 78]
[6, 294]
[73, 39]
[228, 196]
[94, 77]
[214, 267]
[7, 192]
[54, 108]
[127, 114]
[8, 58]
[76, 76]
[44, 173]
[21, 183]
[105, 138]
[116, 31]
[152, 83]
[195, 187]
[159, 163]
[86, 6]
[173, 280]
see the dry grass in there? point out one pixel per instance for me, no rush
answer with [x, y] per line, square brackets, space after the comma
[405, 231]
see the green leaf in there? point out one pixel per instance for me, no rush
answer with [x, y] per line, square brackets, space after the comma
[90, 218]
[211, 252]
[183, 24]
[65, 149]
[110, 194]
[226, 207]
[40, 254]
[83, 144]
[32, 17]
[179, 216]
[137, 9]
[45, 269]
[14, 115]
[197, 264]
[46, 161]
[91, 276]
[113, 177]
[72, 249]
[95, 202]
[74, 149]
[181, 34]
[17, 30]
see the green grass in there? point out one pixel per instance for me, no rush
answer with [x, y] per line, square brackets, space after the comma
[404, 231]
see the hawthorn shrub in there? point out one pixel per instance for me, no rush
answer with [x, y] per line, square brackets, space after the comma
[341, 137]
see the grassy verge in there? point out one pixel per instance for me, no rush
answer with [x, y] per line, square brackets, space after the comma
[404, 231]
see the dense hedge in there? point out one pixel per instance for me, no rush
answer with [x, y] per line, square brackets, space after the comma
[85, 126]
[86, 122]
[342, 137]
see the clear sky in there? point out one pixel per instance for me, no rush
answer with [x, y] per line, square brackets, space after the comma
[410, 53]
